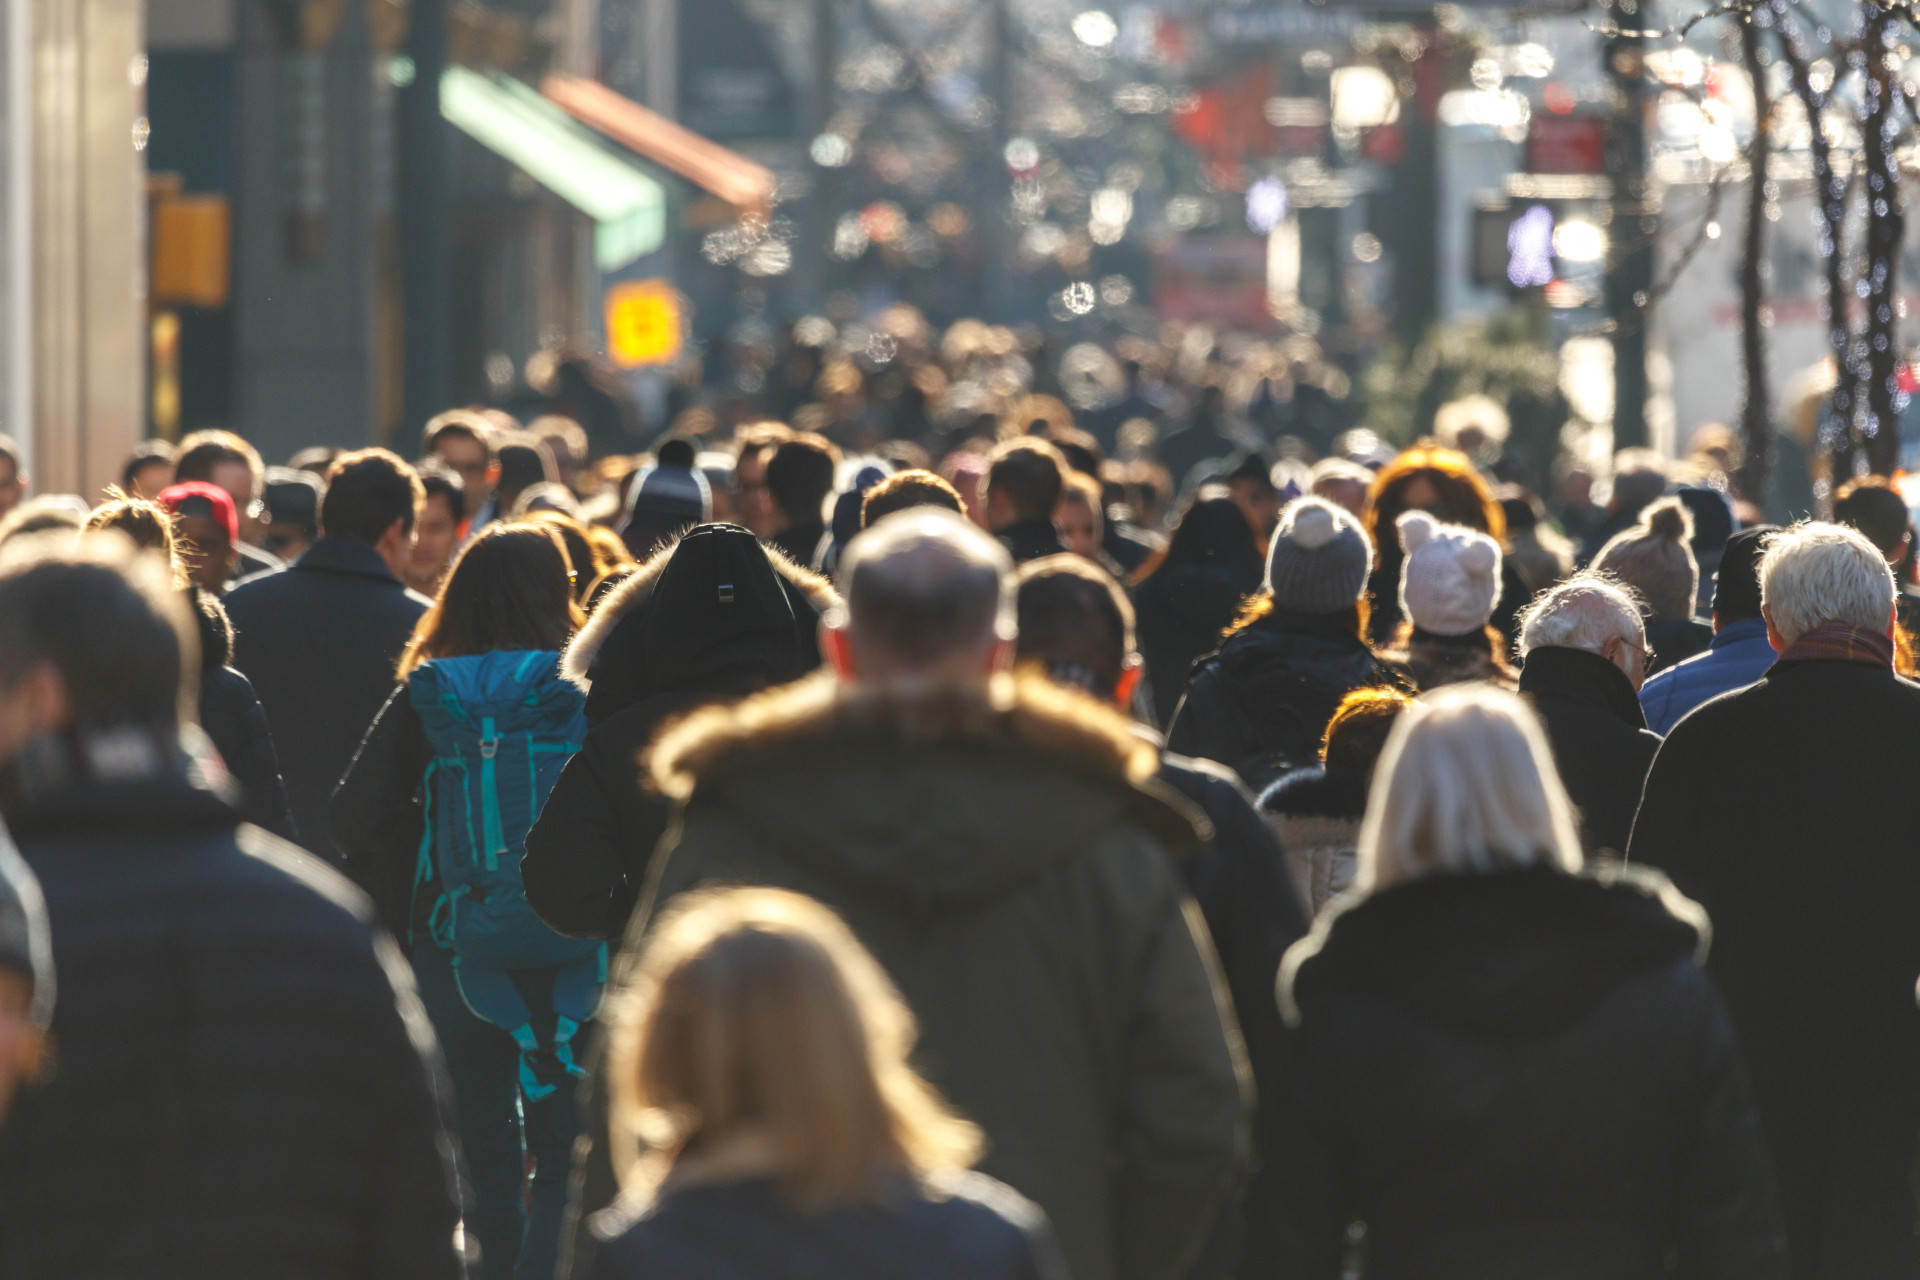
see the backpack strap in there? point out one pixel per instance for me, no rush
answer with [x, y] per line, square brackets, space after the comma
[493, 836]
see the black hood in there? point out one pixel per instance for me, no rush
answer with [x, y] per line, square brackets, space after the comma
[707, 611]
[1319, 793]
[1503, 953]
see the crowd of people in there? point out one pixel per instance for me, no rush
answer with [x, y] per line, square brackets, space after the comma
[1168, 841]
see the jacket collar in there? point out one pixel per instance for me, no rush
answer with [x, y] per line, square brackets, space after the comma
[1740, 632]
[338, 555]
[118, 790]
[1578, 676]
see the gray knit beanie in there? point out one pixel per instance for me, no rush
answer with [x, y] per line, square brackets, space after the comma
[1319, 560]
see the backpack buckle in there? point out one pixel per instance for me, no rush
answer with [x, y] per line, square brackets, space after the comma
[726, 593]
[489, 748]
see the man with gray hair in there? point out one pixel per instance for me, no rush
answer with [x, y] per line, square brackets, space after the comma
[992, 839]
[1585, 654]
[1786, 809]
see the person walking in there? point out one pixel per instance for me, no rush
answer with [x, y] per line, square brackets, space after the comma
[1024, 478]
[1509, 1064]
[1449, 584]
[432, 818]
[245, 1085]
[319, 639]
[1783, 808]
[1261, 704]
[985, 835]
[1740, 653]
[710, 618]
[1655, 561]
[1584, 656]
[1190, 598]
[763, 1054]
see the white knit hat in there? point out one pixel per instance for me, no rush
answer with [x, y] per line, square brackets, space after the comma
[1450, 579]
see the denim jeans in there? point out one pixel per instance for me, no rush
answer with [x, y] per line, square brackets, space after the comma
[516, 1220]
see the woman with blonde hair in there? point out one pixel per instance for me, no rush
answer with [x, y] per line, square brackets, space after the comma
[766, 1123]
[1509, 1064]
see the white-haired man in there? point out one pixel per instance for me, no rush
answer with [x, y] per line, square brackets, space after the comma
[1785, 809]
[987, 838]
[1585, 653]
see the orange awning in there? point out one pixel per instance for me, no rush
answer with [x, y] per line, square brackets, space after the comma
[705, 163]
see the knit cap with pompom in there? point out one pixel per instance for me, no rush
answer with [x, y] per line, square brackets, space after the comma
[1319, 560]
[1655, 560]
[1450, 579]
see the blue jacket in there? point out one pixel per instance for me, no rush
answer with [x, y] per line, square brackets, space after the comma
[1740, 655]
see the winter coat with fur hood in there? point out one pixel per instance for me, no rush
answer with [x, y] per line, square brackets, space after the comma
[1315, 814]
[711, 617]
[1520, 1075]
[1003, 851]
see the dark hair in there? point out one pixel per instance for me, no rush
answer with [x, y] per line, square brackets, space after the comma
[508, 589]
[1080, 450]
[800, 476]
[1357, 734]
[202, 451]
[675, 451]
[147, 523]
[1074, 619]
[1874, 507]
[10, 452]
[148, 453]
[1251, 466]
[437, 480]
[904, 489]
[1030, 472]
[1213, 529]
[457, 422]
[368, 490]
[113, 626]
[524, 462]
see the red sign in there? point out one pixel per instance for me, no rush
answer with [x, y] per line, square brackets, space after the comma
[1219, 280]
[1567, 144]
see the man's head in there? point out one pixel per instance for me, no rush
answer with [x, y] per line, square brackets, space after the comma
[1592, 613]
[437, 532]
[149, 469]
[1077, 625]
[904, 489]
[93, 639]
[208, 531]
[1639, 477]
[566, 441]
[1875, 508]
[1078, 518]
[754, 445]
[1250, 485]
[520, 464]
[1736, 586]
[463, 441]
[373, 498]
[26, 976]
[1024, 477]
[799, 476]
[926, 596]
[293, 511]
[223, 458]
[1341, 482]
[13, 477]
[1815, 575]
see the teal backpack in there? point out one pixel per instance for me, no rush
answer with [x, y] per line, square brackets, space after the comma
[501, 726]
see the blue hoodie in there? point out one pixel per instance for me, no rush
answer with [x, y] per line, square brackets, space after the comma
[1740, 656]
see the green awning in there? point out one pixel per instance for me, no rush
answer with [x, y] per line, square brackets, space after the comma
[629, 209]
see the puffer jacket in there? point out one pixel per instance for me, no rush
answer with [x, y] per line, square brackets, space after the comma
[1260, 706]
[1003, 852]
[667, 640]
[247, 1088]
[965, 1227]
[1520, 1075]
[1315, 815]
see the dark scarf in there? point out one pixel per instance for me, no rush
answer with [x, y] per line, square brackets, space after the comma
[1841, 642]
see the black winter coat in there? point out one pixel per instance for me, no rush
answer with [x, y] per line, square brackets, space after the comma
[1786, 808]
[378, 822]
[978, 1229]
[1600, 738]
[245, 1087]
[1182, 611]
[1520, 1075]
[663, 643]
[1239, 880]
[319, 641]
[1030, 540]
[1261, 704]
[234, 722]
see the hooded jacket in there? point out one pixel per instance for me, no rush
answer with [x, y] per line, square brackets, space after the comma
[1520, 1075]
[1261, 704]
[232, 717]
[1600, 738]
[712, 617]
[1002, 853]
[1315, 814]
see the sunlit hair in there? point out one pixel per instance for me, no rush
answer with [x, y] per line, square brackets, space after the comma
[148, 524]
[1358, 731]
[1466, 783]
[508, 589]
[1815, 573]
[1464, 497]
[1584, 612]
[755, 1037]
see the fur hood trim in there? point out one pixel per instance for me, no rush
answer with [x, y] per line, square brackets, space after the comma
[1024, 709]
[631, 594]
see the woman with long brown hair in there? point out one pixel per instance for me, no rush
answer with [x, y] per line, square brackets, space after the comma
[1442, 483]
[432, 817]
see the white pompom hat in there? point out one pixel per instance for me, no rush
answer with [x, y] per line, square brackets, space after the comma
[1450, 579]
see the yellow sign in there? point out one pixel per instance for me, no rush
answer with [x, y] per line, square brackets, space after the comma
[643, 323]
